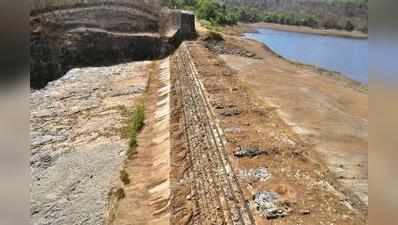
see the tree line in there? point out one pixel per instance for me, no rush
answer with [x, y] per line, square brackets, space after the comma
[339, 14]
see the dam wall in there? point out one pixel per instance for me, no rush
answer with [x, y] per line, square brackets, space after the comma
[76, 33]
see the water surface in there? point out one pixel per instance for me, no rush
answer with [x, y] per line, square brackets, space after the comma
[345, 55]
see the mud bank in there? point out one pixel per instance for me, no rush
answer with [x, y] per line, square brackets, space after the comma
[328, 112]
[304, 190]
[308, 30]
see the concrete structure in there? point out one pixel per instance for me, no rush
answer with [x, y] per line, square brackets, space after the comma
[173, 21]
[76, 33]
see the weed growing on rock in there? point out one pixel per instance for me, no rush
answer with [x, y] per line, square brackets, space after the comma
[124, 177]
[136, 123]
[120, 193]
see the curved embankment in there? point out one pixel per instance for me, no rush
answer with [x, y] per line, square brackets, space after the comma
[213, 190]
[249, 100]
[70, 34]
[180, 173]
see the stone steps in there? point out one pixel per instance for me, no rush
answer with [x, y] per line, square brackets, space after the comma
[215, 189]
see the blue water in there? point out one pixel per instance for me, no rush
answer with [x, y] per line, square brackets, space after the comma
[344, 55]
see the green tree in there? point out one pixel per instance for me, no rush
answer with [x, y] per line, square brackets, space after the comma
[349, 26]
[216, 13]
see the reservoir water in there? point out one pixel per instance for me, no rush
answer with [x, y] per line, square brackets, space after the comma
[345, 55]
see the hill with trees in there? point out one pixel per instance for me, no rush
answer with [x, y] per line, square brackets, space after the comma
[329, 14]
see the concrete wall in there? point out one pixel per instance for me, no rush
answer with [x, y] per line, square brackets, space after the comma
[52, 58]
[177, 22]
[41, 6]
[78, 33]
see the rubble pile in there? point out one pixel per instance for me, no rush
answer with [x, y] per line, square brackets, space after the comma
[266, 202]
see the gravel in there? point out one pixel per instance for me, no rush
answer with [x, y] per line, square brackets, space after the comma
[266, 203]
[76, 146]
[258, 174]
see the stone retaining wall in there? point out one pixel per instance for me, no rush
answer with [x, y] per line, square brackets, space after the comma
[42, 6]
[76, 33]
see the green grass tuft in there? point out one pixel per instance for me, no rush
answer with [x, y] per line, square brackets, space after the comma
[136, 123]
[120, 193]
[124, 177]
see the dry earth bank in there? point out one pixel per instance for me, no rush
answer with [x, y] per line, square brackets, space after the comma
[302, 186]
[302, 29]
[331, 114]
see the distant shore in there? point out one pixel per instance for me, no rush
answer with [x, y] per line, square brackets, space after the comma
[241, 28]
[308, 30]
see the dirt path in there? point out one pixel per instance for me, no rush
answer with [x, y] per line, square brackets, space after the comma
[146, 199]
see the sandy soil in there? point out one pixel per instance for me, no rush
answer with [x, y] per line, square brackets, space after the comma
[147, 194]
[331, 114]
[309, 30]
[318, 116]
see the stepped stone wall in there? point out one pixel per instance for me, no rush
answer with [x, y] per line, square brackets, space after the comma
[77, 33]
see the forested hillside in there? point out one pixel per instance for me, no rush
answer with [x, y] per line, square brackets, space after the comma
[330, 14]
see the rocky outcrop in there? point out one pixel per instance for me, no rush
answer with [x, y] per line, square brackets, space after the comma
[78, 143]
[52, 56]
[75, 33]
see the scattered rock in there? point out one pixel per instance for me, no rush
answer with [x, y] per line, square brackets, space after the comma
[45, 161]
[231, 112]
[234, 130]
[249, 152]
[266, 203]
[129, 91]
[261, 174]
[76, 144]
[275, 213]
[41, 140]
[250, 54]
[305, 212]
[219, 47]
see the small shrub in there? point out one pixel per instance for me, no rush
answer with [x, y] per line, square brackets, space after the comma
[364, 28]
[349, 26]
[136, 123]
[209, 25]
[214, 36]
[215, 13]
[329, 23]
[124, 177]
[120, 193]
